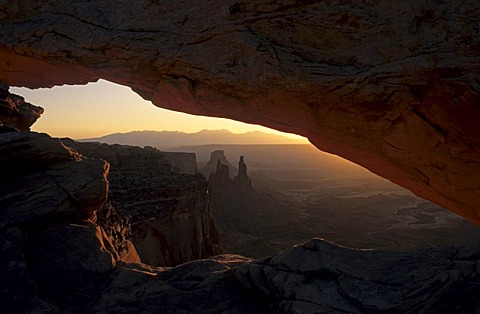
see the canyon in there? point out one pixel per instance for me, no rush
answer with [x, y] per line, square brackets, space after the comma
[296, 193]
[67, 247]
[169, 212]
[390, 85]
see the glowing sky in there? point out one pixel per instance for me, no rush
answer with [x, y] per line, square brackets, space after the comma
[103, 108]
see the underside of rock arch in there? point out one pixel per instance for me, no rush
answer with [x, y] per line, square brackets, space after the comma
[391, 85]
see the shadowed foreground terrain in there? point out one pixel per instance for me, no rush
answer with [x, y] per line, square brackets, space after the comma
[317, 277]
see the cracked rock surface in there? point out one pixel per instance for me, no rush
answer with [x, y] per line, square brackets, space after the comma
[317, 277]
[391, 85]
[15, 113]
[40, 176]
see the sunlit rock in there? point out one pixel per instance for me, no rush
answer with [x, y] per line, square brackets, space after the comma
[390, 85]
[167, 215]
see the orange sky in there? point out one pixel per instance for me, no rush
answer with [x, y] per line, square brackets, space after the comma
[102, 108]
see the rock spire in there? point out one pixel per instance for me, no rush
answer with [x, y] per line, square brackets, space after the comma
[242, 177]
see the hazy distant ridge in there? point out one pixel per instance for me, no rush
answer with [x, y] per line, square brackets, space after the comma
[168, 139]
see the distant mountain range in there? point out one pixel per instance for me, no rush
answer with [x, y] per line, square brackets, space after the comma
[171, 139]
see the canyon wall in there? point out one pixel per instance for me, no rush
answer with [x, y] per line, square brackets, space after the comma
[51, 251]
[390, 85]
[169, 213]
[182, 162]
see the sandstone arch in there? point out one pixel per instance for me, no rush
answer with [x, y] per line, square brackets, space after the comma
[390, 85]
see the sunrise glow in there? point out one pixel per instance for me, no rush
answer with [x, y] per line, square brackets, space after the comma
[102, 108]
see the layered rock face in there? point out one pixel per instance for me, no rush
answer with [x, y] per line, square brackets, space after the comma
[169, 213]
[390, 85]
[51, 251]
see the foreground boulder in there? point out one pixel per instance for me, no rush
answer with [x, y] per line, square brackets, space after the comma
[67, 261]
[317, 277]
[40, 177]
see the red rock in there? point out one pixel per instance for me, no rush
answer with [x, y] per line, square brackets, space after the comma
[390, 85]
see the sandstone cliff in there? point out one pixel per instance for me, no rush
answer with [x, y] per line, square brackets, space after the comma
[50, 250]
[390, 85]
[182, 162]
[169, 213]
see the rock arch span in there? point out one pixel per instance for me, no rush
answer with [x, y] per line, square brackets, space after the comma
[390, 85]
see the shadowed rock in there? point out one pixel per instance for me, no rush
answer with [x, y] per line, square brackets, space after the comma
[242, 177]
[317, 277]
[15, 113]
[40, 176]
[67, 261]
[212, 164]
[169, 214]
[45, 259]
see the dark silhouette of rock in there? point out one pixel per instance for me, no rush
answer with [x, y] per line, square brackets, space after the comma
[182, 162]
[69, 261]
[134, 158]
[317, 277]
[49, 178]
[390, 85]
[48, 248]
[221, 176]
[15, 113]
[212, 164]
[18, 289]
[242, 177]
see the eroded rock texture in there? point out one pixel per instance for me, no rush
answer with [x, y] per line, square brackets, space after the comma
[169, 214]
[317, 277]
[15, 113]
[390, 85]
[50, 252]
[41, 176]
